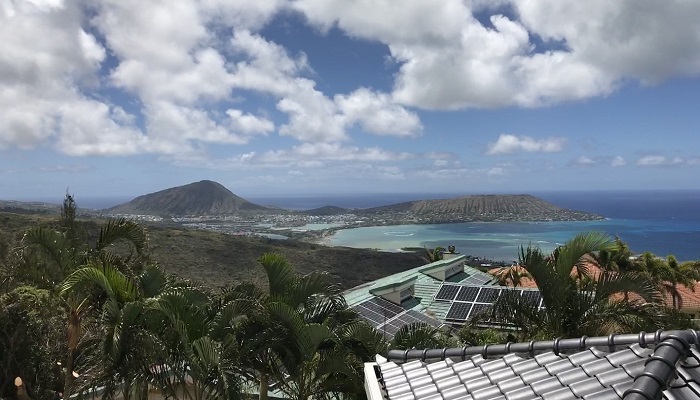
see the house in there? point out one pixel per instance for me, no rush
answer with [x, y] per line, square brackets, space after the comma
[688, 300]
[442, 293]
[643, 366]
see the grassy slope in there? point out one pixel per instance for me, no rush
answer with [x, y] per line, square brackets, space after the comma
[217, 259]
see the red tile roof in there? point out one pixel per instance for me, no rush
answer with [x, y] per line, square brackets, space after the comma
[689, 298]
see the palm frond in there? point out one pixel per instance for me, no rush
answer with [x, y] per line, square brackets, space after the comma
[280, 275]
[417, 335]
[54, 245]
[610, 284]
[571, 254]
[115, 285]
[122, 230]
[152, 280]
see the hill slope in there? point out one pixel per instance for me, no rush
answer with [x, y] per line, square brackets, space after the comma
[520, 206]
[327, 210]
[217, 259]
[199, 198]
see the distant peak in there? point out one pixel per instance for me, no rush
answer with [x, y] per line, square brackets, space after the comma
[205, 197]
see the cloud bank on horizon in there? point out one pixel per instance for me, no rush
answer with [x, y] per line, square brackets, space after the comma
[227, 86]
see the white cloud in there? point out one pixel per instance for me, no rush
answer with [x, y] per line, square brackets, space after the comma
[508, 144]
[74, 168]
[248, 123]
[463, 174]
[46, 58]
[377, 113]
[182, 68]
[312, 115]
[591, 47]
[585, 161]
[328, 152]
[618, 161]
[250, 15]
[659, 160]
[651, 160]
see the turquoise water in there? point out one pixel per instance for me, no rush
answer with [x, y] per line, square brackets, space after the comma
[501, 241]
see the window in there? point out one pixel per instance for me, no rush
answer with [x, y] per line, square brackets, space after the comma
[406, 293]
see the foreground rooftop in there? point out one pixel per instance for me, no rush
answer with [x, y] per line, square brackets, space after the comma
[644, 366]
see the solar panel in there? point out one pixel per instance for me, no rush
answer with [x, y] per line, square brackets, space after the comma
[488, 295]
[478, 278]
[372, 317]
[478, 309]
[447, 292]
[407, 318]
[414, 316]
[390, 329]
[458, 311]
[377, 310]
[467, 293]
[532, 297]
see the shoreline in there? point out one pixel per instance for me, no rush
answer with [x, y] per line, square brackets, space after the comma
[501, 240]
[326, 235]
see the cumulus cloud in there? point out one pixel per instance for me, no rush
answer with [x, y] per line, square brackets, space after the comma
[659, 160]
[590, 48]
[584, 161]
[47, 58]
[127, 77]
[377, 113]
[618, 161]
[327, 152]
[509, 144]
[178, 66]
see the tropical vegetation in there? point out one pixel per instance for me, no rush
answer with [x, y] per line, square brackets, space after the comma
[592, 285]
[81, 310]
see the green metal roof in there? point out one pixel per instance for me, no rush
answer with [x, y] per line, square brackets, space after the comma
[426, 287]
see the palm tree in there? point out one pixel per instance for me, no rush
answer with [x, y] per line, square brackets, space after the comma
[668, 274]
[49, 256]
[579, 298]
[295, 332]
[511, 275]
[435, 254]
[200, 357]
[674, 274]
[121, 346]
[421, 336]
[152, 328]
[313, 296]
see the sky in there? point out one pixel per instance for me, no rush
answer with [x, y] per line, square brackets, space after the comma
[117, 98]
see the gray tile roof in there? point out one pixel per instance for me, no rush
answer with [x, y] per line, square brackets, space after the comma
[669, 368]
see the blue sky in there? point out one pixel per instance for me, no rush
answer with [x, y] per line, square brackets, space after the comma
[119, 98]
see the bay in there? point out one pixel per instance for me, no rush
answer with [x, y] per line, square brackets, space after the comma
[662, 222]
[501, 241]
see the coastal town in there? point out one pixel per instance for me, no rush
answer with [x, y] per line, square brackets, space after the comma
[315, 228]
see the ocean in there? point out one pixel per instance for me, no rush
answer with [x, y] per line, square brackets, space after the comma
[663, 222]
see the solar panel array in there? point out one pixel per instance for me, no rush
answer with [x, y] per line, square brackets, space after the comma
[447, 292]
[410, 317]
[467, 293]
[478, 279]
[389, 317]
[468, 301]
[377, 311]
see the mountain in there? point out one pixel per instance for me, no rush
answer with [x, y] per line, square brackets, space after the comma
[199, 198]
[486, 207]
